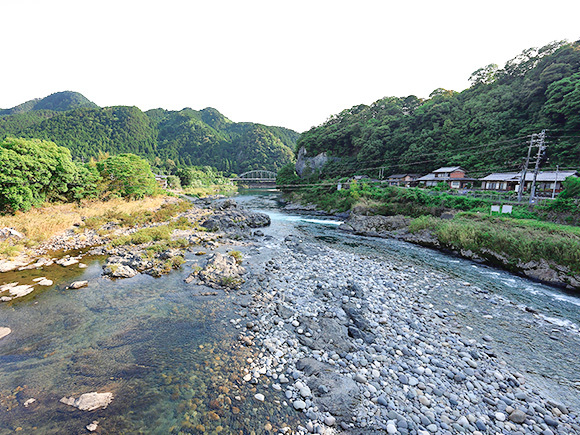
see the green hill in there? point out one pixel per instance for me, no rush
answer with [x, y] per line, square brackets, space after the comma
[166, 138]
[58, 102]
[484, 128]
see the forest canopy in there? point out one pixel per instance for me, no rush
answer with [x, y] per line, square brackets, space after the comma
[484, 128]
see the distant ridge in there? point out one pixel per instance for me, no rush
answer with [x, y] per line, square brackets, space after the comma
[166, 138]
[58, 102]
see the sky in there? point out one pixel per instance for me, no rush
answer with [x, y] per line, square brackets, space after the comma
[275, 62]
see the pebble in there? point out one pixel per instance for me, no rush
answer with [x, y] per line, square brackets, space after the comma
[260, 397]
[299, 405]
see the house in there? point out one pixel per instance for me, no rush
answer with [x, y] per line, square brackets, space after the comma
[402, 180]
[511, 181]
[161, 180]
[454, 176]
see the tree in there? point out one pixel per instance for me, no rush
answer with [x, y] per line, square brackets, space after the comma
[33, 171]
[126, 175]
[485, 75]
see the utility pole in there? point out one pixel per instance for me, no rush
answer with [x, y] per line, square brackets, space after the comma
[523, 174]
[555, 181]
[541, 149]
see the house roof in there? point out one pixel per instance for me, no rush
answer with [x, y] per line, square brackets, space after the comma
[430, 177]
[397, 176]
[448, 169]
[542, 176]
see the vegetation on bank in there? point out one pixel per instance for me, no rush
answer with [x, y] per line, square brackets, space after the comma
[519, 240]
[34, 171]
[41, 224]
[525, 235]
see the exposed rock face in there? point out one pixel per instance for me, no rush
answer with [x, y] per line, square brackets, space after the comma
[303, 163]
[89, 401]
[375, 225]
[219, 272]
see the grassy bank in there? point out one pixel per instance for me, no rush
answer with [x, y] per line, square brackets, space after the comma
[216, 189]
[41, 224]
[517, 240]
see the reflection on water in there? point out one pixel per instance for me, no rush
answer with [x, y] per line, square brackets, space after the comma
[170, 358]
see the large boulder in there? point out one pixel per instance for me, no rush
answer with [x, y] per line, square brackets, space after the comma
[229, 216]
[220, 271]
[374, 225]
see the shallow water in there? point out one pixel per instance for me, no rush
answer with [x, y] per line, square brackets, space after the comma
[170, 357]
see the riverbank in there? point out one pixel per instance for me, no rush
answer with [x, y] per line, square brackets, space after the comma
[545, 252]
[357, 346]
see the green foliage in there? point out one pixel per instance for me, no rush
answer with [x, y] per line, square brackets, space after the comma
[200, 176]
[59, 101]
[168, 139]
[571, 188]
[287, 176]
[237, 255]
[539, 89]
[35, 171]
[144, 235]
[126, 175]
[517, 239]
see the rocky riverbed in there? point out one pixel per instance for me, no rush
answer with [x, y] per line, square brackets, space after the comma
[355, 345]
[352, 344]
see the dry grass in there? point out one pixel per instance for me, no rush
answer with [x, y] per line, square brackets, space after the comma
[41, 224]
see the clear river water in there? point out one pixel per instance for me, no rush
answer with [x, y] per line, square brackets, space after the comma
[171, 356]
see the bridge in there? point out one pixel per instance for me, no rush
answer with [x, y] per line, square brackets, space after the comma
[258, 178]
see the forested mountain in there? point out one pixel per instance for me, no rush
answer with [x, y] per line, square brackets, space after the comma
[167, 138]
[483, 128]
[58, 102]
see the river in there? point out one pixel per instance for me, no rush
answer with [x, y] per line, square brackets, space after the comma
[171, 357]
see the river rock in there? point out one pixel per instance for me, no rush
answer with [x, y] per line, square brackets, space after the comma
[7, 266]
[117, 270]
[4, 331]
[78, 284]
[21, 290]
[89, 401]
[517, 416]
[220, 271]
[10, 233]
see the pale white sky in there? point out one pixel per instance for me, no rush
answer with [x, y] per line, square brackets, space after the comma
[289, 63]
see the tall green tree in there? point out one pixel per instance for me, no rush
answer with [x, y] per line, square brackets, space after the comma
[33, 171]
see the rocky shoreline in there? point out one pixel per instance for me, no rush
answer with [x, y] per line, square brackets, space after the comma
[352, 344]
[397, 227]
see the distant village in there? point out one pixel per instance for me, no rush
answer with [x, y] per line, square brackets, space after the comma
[546, 184]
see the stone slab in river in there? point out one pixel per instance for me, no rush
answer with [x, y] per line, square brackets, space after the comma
[89, 401]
